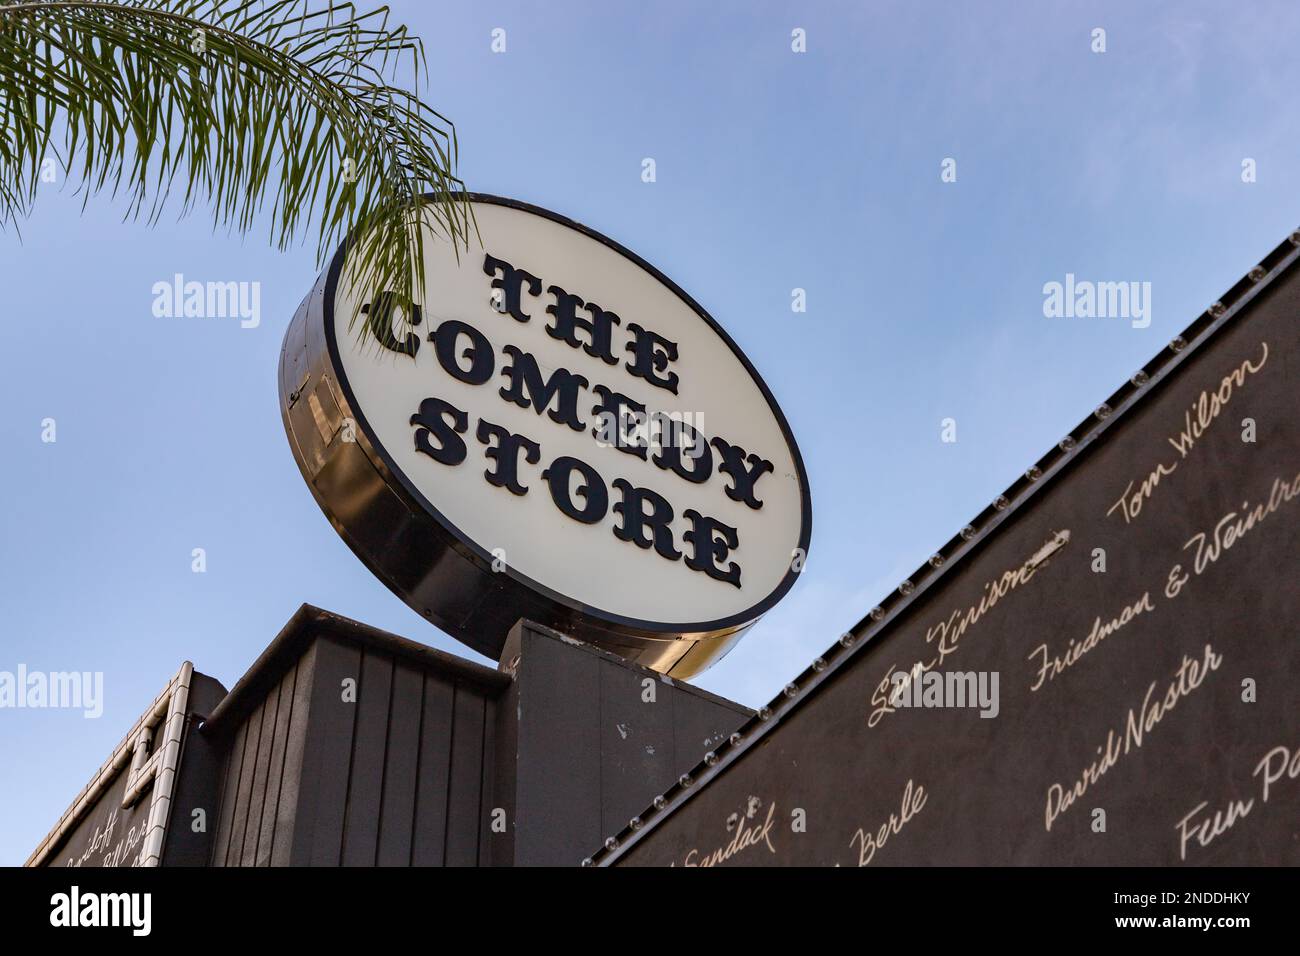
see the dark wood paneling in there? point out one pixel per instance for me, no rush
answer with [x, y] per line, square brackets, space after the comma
[465, 786]
[275, 774]
[411, 772]
[369, 752]
[292, 786]
[396, 777]
[261, 770]
[433, 772]
[229, 791]
[327, 760]
[397, 813]
[243, 794]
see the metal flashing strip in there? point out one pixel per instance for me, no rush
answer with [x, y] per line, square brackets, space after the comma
[881, 618]
[143, 769]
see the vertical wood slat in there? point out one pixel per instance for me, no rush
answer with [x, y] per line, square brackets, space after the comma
[366, 777]
[487, 788]
[400, 776]
[464, 796]
[242, 795]
[261, 769]
[430, 827]
[230, 787]
[318, 835]
[291, 789]
[397, 813]
[274, 779]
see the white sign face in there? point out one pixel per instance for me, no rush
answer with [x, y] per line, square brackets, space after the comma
[581, 425]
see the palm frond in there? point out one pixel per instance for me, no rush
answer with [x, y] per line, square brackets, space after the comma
[253, 106]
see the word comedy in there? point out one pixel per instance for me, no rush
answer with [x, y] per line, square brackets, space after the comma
[644, 517]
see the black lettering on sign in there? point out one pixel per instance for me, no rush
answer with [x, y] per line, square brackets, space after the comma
[594, 493]
[511, 283]
[712, 541]
[645, 527]
[431, 419]
[506, 455]
[379, 318]
[652, 353]
[744, 471]
[563, 385]
[481, 361]
[599, 327]
[681, 437]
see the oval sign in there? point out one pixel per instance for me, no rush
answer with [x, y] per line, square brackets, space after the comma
[557, 433]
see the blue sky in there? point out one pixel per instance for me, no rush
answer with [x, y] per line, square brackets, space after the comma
[775, 170]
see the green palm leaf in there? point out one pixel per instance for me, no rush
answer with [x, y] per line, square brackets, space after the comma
[254, 106]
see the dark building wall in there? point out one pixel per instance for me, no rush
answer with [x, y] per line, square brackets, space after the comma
[597, 739]
[348, 746]
[1169, 615]
[399, 777]
[262, 776]
[98, 831]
